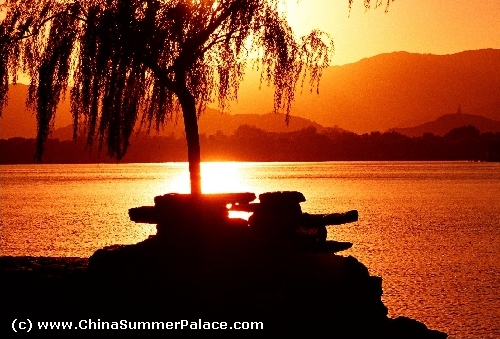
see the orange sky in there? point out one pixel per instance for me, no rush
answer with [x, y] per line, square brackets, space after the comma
[416, 26]
[419, 26]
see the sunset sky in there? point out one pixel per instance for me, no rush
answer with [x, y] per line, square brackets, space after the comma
[423, 26]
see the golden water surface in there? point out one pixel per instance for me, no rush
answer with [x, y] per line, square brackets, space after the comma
[430, 229]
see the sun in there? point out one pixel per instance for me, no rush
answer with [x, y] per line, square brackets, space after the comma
[222, 177]
[216, 177]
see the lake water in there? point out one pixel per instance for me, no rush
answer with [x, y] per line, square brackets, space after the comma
[430, 229]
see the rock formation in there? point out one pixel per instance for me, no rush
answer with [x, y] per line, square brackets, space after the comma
[277, 269]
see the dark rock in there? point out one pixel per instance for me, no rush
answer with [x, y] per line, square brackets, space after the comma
[200, 266]
[284, 197]
[196, 213]
[52, 267]
[341, 218]
[278, 214]
[261, 279]
[144, 214]
[323, 247]
[187, 209]
[406, 328]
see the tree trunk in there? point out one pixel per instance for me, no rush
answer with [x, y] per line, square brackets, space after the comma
[188, 106]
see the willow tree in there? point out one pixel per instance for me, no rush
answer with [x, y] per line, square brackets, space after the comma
[130, 61]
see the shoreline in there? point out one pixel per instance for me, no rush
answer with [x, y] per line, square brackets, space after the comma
[62, 288]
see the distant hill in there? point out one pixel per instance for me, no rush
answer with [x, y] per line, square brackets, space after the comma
[252, 144]
[374, 94]
[445, 123]
[17, 121]
[213, 121]
[395, 89]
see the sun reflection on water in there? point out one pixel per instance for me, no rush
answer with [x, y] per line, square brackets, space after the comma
[216, 177]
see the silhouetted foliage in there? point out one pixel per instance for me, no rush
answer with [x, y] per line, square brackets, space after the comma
[122, 57]
[158, 57]
[249, 143]
[464, 132]
[378, 3]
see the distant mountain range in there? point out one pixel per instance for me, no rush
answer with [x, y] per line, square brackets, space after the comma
[393, 90]
[249, 143]
[445, 123]
[17, 121]
[375, 94]
[213, 121]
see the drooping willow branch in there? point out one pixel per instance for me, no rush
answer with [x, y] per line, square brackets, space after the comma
[128, 60]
